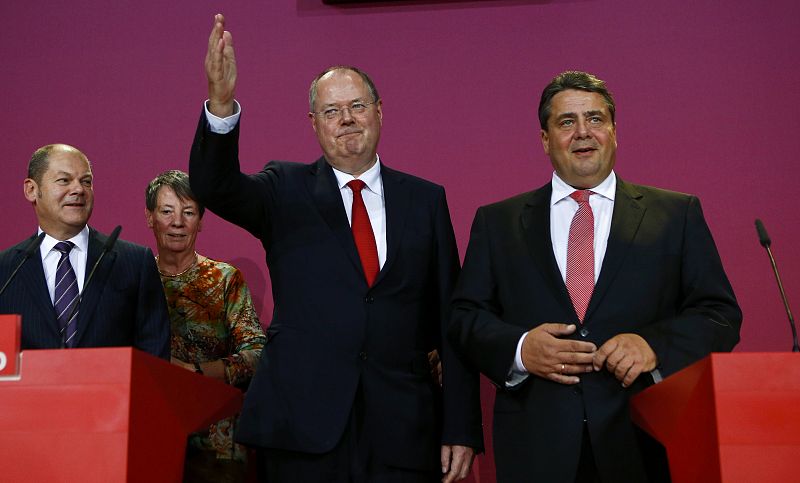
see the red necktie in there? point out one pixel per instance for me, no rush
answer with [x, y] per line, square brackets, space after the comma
[362, 233]
[580, 254]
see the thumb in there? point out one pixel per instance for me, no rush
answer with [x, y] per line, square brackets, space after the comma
[559, 329]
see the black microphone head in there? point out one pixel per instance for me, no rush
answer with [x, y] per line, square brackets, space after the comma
[34, 245]
[763, 238]
[112, 239]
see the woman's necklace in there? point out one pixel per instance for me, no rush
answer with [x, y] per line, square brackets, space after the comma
[172, 275]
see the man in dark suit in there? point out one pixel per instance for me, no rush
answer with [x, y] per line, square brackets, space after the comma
[343, 391]
[123, 305]
[578, 294]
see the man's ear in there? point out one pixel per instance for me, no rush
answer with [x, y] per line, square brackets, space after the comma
[546, 142]
[31, 190]
[312, 119]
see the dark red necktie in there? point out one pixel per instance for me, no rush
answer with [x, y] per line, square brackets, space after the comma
[362, 233]
[580, 254]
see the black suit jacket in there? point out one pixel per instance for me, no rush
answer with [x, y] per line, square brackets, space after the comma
[661, 278]
[330, 332]
[123, 304]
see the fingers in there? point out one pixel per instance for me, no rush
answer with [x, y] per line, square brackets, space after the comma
[220, 64]
[558, 329]
[603, 352]
[461, 463]
[626, 356]
[215, 47]
[216, 31]
[228, 39]
[544, 352]
[445, 458]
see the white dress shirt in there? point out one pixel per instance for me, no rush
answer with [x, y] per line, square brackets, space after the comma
[562, 210]
[372, 194]
[77, 258]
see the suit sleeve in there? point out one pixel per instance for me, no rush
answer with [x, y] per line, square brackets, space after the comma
[708, 318]
[477, 329]
[152, 318]
[460, 383]
[218, 183]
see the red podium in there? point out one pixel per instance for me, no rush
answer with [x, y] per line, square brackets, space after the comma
[728, 418]
[103, 415]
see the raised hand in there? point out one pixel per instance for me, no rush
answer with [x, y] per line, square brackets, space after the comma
[220, 69]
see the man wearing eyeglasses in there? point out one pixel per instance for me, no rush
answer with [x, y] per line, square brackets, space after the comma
[363, 261]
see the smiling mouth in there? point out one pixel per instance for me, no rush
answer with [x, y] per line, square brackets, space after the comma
[584, 150]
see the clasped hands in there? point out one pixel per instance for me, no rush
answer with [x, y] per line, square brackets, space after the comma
[548, 355]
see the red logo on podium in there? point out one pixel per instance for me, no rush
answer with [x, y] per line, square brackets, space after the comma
[10, 333]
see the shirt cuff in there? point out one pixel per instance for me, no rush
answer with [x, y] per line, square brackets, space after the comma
[517, 373]
[223, 125]
[656, 375]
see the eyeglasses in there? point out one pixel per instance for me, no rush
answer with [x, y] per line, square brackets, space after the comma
[356, 108]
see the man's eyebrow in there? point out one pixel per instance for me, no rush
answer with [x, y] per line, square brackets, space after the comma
[347, 103]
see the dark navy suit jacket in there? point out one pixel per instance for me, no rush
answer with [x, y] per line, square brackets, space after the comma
[330, 332]
[123, 304]
[661, 278]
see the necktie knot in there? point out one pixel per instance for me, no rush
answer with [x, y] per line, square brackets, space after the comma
[581, 196]
[64, 247]
[356, 185]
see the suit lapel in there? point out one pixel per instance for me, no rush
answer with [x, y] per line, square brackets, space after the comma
[31, 275]
[625, 222]
[535, 226]
[325, 190]
[396, 198]
[93, 291]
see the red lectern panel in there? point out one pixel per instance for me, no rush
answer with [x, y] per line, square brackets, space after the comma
[728, 418]
[104, 415]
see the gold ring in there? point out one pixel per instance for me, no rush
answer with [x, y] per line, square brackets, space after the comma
[562, 369]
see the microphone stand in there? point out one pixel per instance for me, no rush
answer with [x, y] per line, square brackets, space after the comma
[766, 242]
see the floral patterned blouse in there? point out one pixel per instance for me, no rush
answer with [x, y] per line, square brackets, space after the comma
[212, 317]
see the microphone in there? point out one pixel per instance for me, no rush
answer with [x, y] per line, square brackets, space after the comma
[107, 246]
[32, 246]
[763, 238]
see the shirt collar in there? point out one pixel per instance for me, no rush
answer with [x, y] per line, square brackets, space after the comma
[81, 241]
[370, 177]
[561, 189]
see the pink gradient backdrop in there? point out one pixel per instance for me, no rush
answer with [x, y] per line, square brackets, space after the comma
[707, 96]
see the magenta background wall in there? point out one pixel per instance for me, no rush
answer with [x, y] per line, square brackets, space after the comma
[707, 98]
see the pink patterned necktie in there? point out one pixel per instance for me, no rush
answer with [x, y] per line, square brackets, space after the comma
[580, 254]
[362, 233]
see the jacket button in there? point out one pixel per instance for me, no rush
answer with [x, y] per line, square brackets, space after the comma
[584, 332]
[369, 299]
[362, 356]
